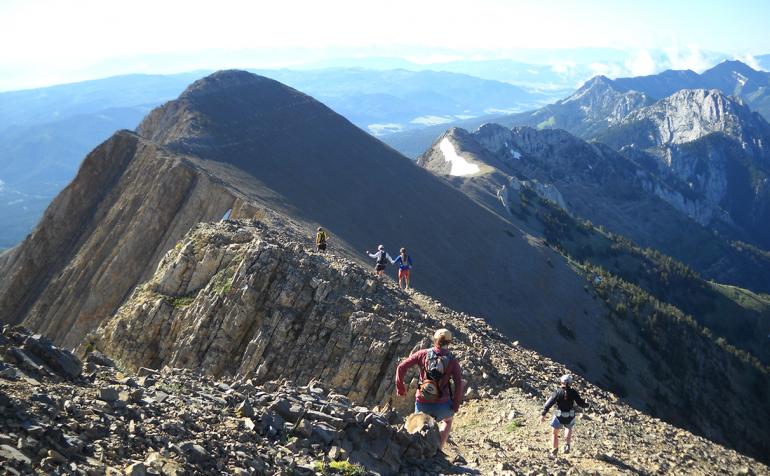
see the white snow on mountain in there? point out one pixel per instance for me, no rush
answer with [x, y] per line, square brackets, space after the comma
[460, 166]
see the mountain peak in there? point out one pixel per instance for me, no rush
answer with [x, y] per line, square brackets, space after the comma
[729, 66]
[228, 109]
[597, 83]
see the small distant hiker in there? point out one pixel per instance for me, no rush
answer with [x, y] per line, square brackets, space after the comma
[565, 399]
[320, 240]
[404, 262]
[435, 395]
[382, 258]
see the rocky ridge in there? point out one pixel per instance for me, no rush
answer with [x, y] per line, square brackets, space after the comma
[176, 422]
[179, 421]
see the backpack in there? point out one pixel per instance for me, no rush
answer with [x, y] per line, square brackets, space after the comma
[320, 237]
[383, 259]
[436, 375]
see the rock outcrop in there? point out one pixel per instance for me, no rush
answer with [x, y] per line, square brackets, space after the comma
[180, 422]
[716, 146]
[245, 300]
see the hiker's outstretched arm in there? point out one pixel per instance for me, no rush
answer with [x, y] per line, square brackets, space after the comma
[372, 255]
[392, 261]
[403, 367]
[457, 378]
[549, 403]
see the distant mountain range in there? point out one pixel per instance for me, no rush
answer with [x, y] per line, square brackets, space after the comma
[601, 101]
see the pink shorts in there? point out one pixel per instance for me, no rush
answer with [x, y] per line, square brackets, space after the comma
[403, 273]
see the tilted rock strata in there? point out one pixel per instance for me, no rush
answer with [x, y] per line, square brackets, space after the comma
[129, 204]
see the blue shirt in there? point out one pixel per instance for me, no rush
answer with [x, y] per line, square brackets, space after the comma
[401, 264]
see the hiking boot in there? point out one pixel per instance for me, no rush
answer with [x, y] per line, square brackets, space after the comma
[566, 448]
[554, 452]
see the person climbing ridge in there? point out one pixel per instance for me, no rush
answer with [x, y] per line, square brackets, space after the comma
[404, 263]
[435, 395]
[320, 240]
[382, 258]
[565, 398]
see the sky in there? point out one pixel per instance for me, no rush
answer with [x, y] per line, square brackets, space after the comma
[53, 41]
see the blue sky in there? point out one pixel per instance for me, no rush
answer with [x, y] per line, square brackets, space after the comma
[54, 41]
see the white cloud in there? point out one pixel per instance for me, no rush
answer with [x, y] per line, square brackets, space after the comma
[689, 57]
[2, 185]
[431, 120]
[641, 64]
[751, 61]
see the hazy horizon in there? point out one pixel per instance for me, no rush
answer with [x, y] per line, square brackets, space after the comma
[58, 43]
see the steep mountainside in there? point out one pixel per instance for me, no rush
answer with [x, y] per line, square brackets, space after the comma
[240, 141]
[243, 299]
[534, 176]
[596, 183]
[712, 143]
[46, 132]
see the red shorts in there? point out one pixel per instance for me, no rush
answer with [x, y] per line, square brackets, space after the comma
[403, 273]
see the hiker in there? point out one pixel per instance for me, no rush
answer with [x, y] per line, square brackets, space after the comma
[382, 258]
[320, 240]
[434, 395]
[565, 398]
[404, 263]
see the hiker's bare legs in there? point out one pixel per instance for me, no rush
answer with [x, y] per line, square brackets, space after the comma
[556, 438]
[444, 427]
[567, 435]
[407, 281]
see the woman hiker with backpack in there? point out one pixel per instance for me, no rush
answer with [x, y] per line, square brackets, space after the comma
[404, 263]
[382, 258]
[435, 396]
[565, 398]
[320, 240]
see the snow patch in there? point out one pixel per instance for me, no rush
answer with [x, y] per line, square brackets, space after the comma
[515, 154]
[740, 78]
[460, 166]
